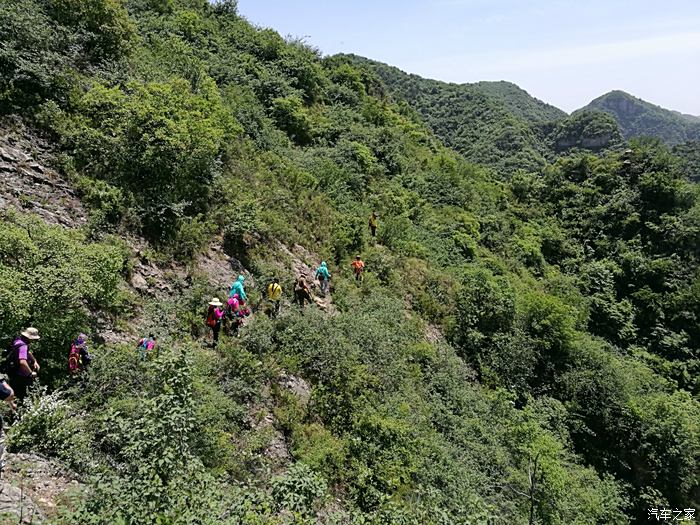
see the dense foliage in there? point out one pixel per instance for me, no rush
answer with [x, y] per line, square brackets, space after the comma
[690, 154]
[520, 103]
[522, 349]
[586, 130]
[474, 120]
[497, 123]
[56, 279]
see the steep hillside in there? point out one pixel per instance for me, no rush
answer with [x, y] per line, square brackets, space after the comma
[521, 347]
[593, 131]
[639, 118]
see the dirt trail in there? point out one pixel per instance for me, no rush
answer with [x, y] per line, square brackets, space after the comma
[301, 261]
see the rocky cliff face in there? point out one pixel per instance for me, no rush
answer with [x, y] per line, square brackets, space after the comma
[28, 183]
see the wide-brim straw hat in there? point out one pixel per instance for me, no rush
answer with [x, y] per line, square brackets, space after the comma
[31, 333]
[215, 302]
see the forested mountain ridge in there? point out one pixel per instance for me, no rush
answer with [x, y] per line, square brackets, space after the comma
[639, 118]
[496, 123]
[520, 102]
[523, 344]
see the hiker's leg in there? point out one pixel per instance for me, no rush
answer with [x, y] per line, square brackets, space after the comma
[20, 385]
[215, 329]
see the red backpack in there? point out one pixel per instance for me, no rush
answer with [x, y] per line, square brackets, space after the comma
[212, 319]
[74, 361]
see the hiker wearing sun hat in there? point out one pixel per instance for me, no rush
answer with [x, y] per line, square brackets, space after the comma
[215, 315]
[22, 366]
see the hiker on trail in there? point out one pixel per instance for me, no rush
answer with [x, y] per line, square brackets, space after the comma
[234, 316]
[146, 346]
[215, 315]
[237, 288]
[373, 223]
[324, 278]
[7, 394]
[79, 357]
[233, 304]
[23, 366]
[302, 293]
[358, 266]
[274, 295]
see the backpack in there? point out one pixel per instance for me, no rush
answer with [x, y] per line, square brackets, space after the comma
[273, 287]
[74, 362]
[212, 320]
[9, 363]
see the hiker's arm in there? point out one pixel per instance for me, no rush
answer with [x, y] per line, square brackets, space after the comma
[36, 363]
[23, 365]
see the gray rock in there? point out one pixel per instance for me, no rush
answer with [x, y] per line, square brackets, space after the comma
[14, 502]
[138, 281]
[296, 385]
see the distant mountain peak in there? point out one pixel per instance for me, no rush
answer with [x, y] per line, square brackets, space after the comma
[638, 118]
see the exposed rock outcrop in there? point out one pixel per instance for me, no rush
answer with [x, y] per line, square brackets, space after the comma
[28, 183]
[32, 487]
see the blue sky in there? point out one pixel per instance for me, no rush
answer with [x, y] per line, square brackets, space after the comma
[564, 52]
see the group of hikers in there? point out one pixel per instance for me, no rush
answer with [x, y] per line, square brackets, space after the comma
[232, 313]
[20, 368]
[230, 316]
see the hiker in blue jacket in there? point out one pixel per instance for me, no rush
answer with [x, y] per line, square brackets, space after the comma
[237, 288]
[324, 278]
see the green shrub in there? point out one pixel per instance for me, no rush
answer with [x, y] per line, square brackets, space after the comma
[48, 425]
[158, 141]
[299, 490]
[59, 279]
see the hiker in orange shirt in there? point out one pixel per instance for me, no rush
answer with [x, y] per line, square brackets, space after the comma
[358, 266]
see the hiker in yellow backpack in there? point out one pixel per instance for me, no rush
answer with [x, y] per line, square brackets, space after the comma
[373, 223]
[274, 295]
